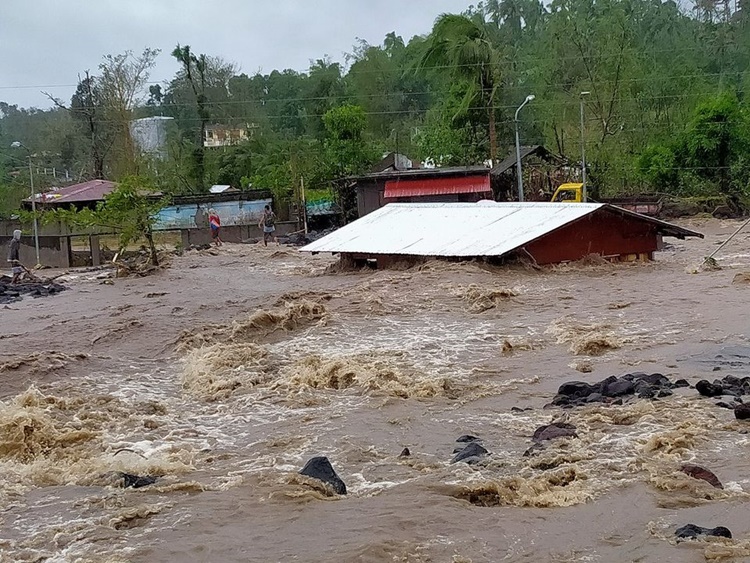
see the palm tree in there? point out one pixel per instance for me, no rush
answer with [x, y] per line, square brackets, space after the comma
[465, 47]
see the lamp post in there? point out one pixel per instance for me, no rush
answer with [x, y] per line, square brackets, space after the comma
[15, 145]
[583, 151]
[518, 148]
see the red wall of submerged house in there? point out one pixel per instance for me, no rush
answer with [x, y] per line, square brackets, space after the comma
[603, 233]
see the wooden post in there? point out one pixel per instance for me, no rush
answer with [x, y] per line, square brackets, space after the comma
[96, 256]
[304, 203]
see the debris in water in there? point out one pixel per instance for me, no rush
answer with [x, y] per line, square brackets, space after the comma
[367, 372]
[586, 340]
[42, 362]
[698, 472]
[321, 469]
[292, 315]
[215, 372]
[484, 299]
[562, 487]
[10, 293]
[584, 366]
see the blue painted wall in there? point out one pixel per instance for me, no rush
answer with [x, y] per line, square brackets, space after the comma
[230, 212]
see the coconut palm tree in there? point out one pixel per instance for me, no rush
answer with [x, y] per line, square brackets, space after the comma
[467, 47]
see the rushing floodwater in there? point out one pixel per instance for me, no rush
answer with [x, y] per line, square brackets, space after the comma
[357, 367]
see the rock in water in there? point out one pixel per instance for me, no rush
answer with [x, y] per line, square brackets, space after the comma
[405, 453]
[472, 453]
[691, 531]
[136, 481]
[467, 438]
[698, 472]
[321, 469]
[554, 430]
[708, 389]
[577, 389]
[617, 388]
[742, 411]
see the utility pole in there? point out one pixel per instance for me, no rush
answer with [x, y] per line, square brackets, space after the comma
[583, 151]
[518, 149]
[16, 144]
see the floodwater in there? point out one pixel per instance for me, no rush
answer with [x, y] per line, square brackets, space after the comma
[222, 375]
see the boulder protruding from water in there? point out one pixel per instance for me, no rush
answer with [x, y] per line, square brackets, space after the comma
[742, 411]
[613, 389]
[708, 389]
[405, 453]
[321, 469]
[727, 385]
[467, 438]
[130, 481]
[691, 531]
[472, 453]
[553, 431]
[698, 472]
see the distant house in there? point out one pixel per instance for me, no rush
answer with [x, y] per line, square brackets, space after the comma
[225, 135]
[542, 172]
[222, 189]
[422, 185]
[86, 194]
[150, 134]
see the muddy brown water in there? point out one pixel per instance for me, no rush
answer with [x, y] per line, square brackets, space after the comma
[179, 375]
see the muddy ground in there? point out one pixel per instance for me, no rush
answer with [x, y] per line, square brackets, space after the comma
[224, 373]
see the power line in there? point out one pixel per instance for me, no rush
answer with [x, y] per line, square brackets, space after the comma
[415, 69]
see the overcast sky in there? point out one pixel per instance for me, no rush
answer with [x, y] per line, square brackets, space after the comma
[45, 44]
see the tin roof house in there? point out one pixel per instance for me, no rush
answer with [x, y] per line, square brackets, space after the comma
[545, 233]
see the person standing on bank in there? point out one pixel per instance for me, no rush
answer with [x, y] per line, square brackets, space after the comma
[14, 249]
[268, 224]
[215, 223]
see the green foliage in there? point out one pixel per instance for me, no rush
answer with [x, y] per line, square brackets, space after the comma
[346, 152]
[130, 211]
[666, 110]
[709, 156]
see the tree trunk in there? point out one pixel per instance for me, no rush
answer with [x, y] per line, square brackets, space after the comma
[493, 132]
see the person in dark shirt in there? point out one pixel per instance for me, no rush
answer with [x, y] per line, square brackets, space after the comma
[14, 249]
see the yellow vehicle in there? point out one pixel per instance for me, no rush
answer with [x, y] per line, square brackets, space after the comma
[568, 193]
[645, 204]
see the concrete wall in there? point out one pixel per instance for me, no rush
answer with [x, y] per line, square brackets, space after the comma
[231, 213]
[53, 251]
[233, 233]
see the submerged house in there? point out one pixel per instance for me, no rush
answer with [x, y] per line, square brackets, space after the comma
[544, 233]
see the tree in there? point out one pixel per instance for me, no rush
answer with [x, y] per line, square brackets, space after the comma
[194, 69]
[120, 85]
[130, 211]
[465, 48]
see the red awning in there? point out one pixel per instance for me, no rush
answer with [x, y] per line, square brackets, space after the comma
[438, 186]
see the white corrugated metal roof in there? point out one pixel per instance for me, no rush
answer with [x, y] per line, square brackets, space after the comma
[457, 229]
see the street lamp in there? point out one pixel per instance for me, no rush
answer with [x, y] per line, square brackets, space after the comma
[19, 144]
[583, 151]
[518, 148]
